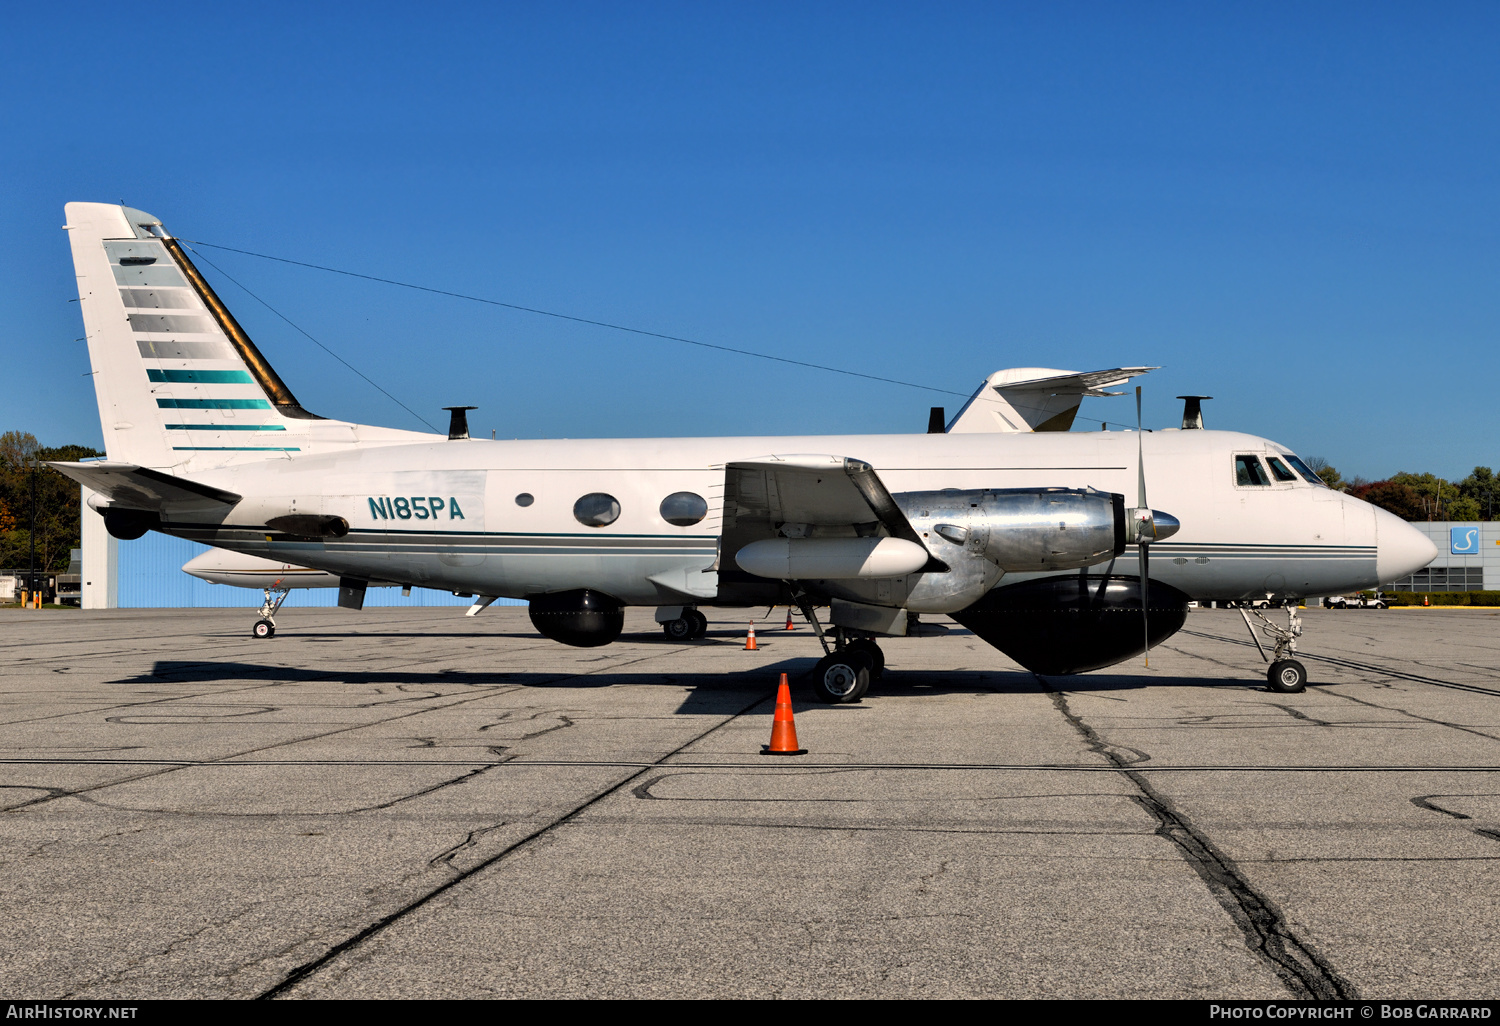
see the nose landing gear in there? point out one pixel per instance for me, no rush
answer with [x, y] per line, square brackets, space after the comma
[1285, 674]
[265, 627]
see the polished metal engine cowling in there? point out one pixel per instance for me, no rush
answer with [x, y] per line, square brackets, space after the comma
[1020, 530]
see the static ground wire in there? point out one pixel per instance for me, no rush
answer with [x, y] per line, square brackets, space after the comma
[559, 316]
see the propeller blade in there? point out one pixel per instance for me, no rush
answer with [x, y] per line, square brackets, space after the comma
[1140, 449]
[1146, 599]
[1140, 444]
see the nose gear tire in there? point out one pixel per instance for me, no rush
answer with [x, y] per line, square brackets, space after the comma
[1287, 676]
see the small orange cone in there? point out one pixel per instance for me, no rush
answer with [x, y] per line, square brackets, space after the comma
[789, 625]
[750, 645]
[783, 729]
[1424, 600]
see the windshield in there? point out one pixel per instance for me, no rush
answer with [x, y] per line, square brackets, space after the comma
[1279, 469]
[1248, 471]
[1303, 469]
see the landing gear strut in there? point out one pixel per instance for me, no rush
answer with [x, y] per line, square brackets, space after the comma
[1285, 674]
[265, 627]
[844, 673]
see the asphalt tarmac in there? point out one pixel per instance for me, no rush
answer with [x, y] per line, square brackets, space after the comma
[408, 803]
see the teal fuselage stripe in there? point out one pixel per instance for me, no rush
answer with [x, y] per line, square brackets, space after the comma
[213, 404]
[234, 448]
[226, 427]
[201, 377]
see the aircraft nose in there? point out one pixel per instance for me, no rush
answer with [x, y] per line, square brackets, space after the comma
[204, 565]
[1400, 548]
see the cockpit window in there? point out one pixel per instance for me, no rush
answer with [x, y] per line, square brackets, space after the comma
[1304, 470]
[1279, 469]
[1248, 471]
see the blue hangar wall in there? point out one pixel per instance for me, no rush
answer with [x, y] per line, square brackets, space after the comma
[151, 577]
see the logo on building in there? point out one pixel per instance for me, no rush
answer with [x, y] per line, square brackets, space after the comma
[1464, 541]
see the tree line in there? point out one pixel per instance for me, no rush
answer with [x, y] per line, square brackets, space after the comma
[22, 468]
[1422, 496]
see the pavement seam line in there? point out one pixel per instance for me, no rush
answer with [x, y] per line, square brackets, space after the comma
[1305, 974]
[307, 969]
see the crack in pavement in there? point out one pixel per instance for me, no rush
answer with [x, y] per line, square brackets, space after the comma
[307, 969]
[490, 691]
[1303, 971]
[72, 793]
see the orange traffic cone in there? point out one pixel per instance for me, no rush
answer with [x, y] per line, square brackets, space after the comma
[783, 730]
[789, 625]
[1424, 600]
[750, 645]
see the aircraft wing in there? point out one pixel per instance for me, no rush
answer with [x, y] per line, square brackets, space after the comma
[817, 491]
[133, 487]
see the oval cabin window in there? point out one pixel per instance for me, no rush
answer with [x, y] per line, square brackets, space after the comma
[597, 509]
[683, 509]
[525, 499]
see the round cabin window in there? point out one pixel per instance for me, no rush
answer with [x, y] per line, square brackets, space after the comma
[525, 499]
[683, 509]
[597, 509]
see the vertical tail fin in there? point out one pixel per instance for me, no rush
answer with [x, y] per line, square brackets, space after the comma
[177, 379]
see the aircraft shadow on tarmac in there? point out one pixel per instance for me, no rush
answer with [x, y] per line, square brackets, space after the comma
[712, 692]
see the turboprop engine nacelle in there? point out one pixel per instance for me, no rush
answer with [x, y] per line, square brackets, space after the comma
[1021, 530]
[982, 535]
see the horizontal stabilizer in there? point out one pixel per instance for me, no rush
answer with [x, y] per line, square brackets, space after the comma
[132, 487]
[1035, 398]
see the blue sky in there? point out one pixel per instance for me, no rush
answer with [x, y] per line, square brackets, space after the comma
[1290, 207]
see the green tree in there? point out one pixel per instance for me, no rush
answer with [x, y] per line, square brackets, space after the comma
[1326, 472]
[1397, 497]
[1482, 487]
[23, 466]
[1434, 493]
[1463, 508]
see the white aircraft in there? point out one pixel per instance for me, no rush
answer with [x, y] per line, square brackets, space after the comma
[1024, 399]
[1026, 537]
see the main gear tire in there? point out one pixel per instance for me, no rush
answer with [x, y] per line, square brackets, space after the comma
[843, 677]
[871, 649]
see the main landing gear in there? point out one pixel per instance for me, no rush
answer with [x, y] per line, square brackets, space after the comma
[690, 626]
[265, 627]
[844, 673]
[1285, 674]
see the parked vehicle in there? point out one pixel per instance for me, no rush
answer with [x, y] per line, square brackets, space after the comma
[1375, 601]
